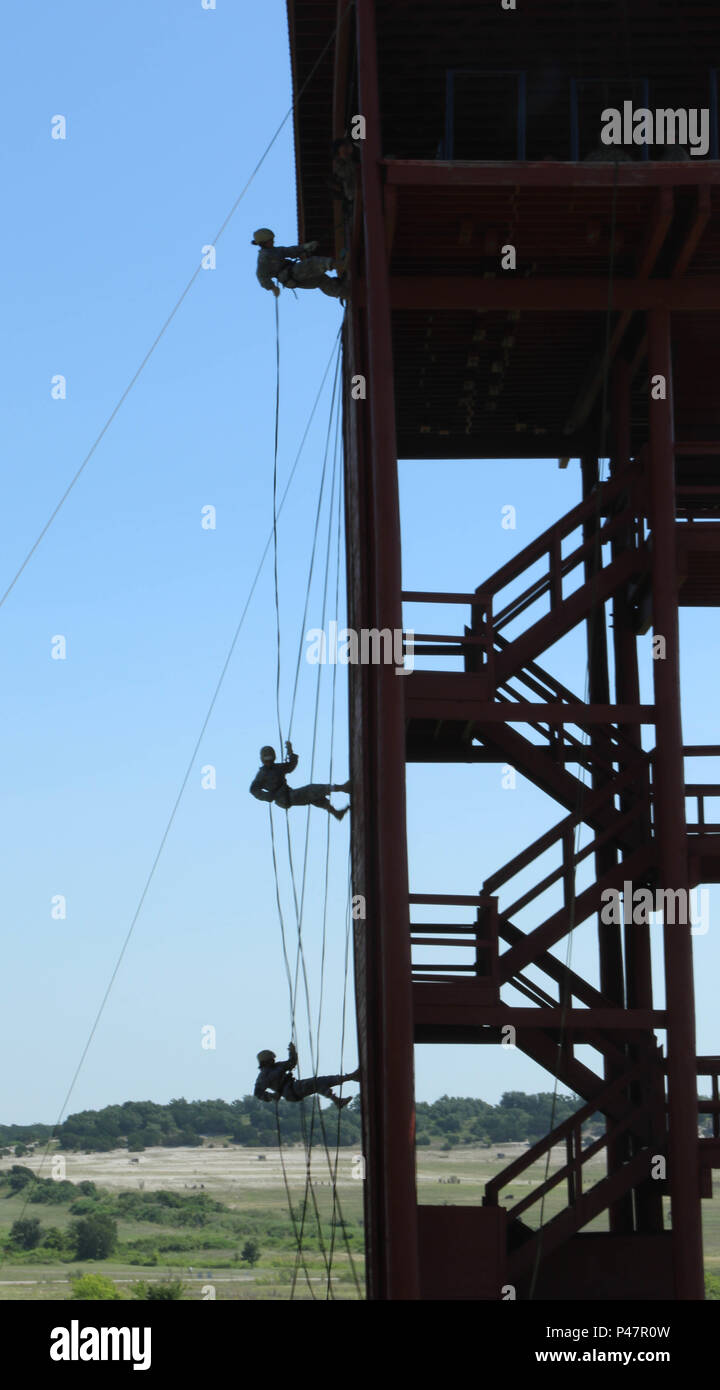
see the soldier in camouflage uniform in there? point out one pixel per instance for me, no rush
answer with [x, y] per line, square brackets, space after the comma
[295, 267]
[276, 1082]
[269, 784]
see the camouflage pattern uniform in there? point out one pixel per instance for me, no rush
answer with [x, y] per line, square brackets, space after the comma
[276, 262]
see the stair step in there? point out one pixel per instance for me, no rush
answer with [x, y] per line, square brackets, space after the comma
[572, 1219]
[523, 953]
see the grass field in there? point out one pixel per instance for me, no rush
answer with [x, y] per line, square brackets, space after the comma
[250, 1183]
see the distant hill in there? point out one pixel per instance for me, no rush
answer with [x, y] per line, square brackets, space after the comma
[141, 1125]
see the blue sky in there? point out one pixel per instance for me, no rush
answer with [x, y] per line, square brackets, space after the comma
[168, 109]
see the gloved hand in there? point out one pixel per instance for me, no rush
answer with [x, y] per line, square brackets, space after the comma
[289, 748]
[276, 291]
[310, 245]
[292, 1054]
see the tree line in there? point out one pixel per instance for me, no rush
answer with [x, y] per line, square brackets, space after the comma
[139, 1125]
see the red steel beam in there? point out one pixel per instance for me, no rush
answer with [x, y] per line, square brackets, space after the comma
[563, 527]
[343, 21]
[400, 1273]
[638, 964]
[536, 762]
[572, 609]
[669, 802]
[543, 1048]
[611, 966]
[701, 217]
[420, 173]
[543, 937]
[340, 77]
[446, 443]
[446, 1003]
[445, 695]
[296, 130]
[700, 220]
[391, 210]
[548, 294]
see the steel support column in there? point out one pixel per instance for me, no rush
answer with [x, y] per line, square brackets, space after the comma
[609, 940]
[611, 965]
[638, 963]
[388, 909]
[669, 800]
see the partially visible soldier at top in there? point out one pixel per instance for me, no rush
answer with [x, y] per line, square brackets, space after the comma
[295, 267]
[345, 162]
[269, 785]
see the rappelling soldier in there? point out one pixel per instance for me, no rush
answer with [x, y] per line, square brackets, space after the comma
[276, 1082]
[345, 161]
[269, 785]
[296, 267]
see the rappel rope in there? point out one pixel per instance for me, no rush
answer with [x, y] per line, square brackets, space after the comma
[337, 1212]
[275, 539]
[334, 519]
[315, 1053]
[292, 991]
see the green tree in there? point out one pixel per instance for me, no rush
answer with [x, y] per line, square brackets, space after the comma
[21, 1150]
[53, 1238]
[93, 1237]
[82, 1207]
[94, 1286]
[25, 1233]
[19, 1177]
[152, 1136]
[160, 1292]
[250, 1252]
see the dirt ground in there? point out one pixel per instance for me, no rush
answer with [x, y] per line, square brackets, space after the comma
[219, 1169]
[212, 1169]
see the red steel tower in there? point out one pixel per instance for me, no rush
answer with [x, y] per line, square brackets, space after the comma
[567, 294]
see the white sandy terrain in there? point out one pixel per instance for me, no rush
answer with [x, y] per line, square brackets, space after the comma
[181, 1169]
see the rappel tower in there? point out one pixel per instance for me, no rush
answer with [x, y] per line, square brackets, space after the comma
[597, 339]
